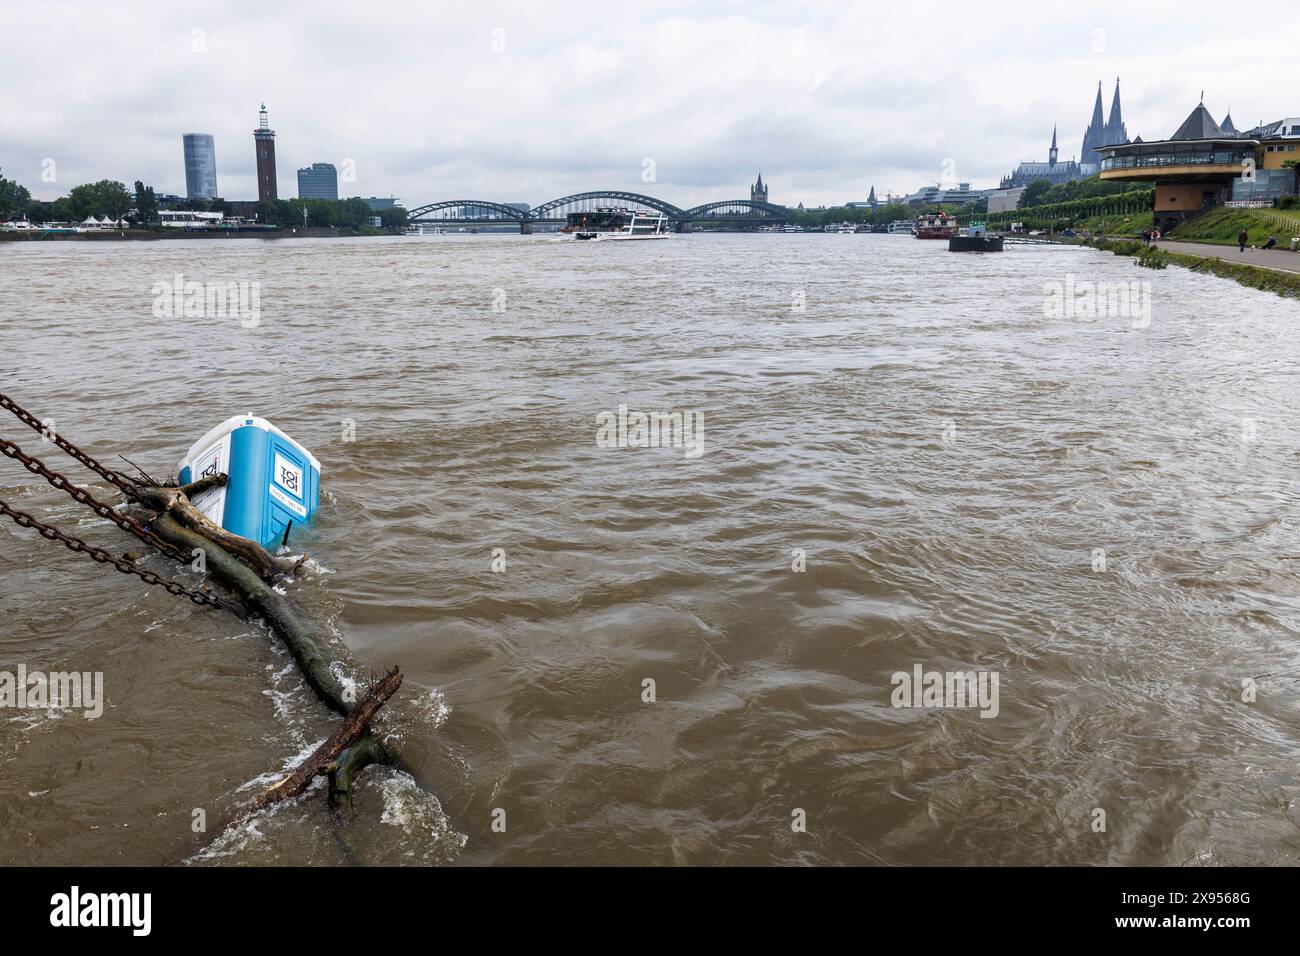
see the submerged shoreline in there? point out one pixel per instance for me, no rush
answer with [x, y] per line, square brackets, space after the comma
[1280, 281]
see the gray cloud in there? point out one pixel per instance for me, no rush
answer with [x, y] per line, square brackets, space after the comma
[523, 102]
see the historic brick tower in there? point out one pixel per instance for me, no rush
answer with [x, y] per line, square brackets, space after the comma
[758, 192]
[264, 141]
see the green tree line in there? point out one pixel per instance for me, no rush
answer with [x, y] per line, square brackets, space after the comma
[1042, 193]
[341, 213]
[112, 199]
[1065, 214]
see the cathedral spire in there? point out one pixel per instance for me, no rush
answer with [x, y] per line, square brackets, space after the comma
[1115, 132]
[1052, 153]
[1095, 134]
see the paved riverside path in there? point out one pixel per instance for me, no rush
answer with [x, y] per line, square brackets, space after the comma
[1280, 258]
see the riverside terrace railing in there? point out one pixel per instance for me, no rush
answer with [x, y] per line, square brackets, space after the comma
[1280, 217]
[1116, 204]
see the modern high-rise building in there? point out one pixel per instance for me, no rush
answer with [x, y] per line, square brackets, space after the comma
[318, 181]
[264, 141]
[200, 166]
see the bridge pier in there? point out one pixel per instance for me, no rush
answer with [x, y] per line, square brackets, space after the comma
[682, 225]
[525, 228]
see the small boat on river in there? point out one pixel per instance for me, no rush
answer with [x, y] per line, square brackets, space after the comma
[975, 238]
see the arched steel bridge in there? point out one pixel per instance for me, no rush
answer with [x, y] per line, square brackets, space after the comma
[485, 212]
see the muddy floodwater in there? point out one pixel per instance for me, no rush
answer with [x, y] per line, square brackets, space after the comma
[904, 464]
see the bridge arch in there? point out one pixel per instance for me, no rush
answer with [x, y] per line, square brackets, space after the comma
[546, 209]
[710, 209]
[478, 205]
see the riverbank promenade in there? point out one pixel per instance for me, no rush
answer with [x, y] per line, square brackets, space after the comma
[1280, 258]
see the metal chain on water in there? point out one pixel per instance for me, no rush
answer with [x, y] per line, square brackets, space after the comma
[125, 522]
[24, 520]
[123, 482]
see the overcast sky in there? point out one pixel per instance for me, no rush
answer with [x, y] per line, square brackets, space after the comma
[524, 102]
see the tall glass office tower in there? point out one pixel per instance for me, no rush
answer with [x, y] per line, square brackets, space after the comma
[200, 166]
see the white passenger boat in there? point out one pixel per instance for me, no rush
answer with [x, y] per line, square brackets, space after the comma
[610, 222]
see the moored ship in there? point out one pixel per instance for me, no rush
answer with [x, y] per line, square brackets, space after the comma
[975, 238]
[935, 225]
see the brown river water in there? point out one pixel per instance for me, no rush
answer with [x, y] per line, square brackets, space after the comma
[922, 465]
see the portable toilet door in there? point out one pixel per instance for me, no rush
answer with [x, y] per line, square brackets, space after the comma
[273, 482]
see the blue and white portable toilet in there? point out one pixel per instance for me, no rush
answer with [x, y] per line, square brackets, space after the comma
[274, 483]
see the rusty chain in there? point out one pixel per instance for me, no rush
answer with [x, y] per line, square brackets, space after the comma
[125, 522]
[124, 483]
[24, 520]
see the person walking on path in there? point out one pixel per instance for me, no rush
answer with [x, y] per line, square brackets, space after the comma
[1241, 240]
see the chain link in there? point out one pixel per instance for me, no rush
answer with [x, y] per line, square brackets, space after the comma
[125, 522]
[124, 483]
[24, 520]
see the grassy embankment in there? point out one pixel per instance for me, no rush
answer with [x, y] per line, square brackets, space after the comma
[1286, 284]
[1132, 224]
[1222, 226]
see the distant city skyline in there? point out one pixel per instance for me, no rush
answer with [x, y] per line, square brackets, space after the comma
[826, 102]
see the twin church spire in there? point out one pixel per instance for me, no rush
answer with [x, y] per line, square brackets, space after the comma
[1109, 133]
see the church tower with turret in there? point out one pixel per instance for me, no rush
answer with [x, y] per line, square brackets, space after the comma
[758, 192]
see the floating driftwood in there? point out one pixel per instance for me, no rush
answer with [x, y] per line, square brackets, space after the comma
[176, 502]
[353, 747]
[350, 748]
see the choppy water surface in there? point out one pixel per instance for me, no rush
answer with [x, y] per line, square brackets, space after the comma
[948, 459]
